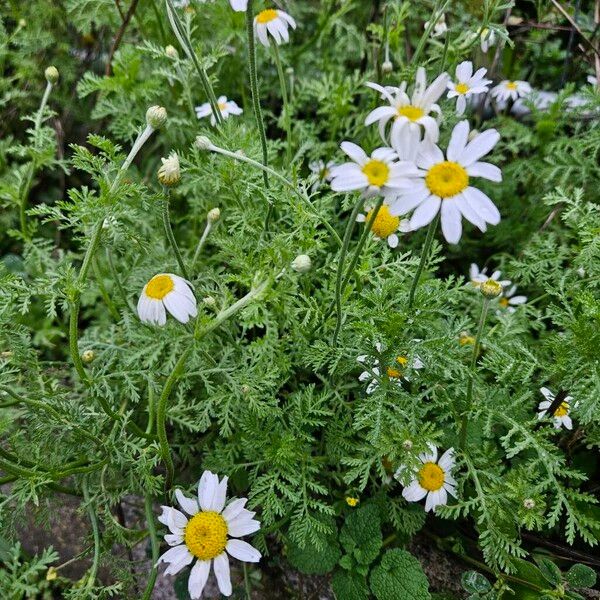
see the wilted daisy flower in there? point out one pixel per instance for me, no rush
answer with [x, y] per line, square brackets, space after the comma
[508, 300]
[395, 371]
[414, 111]
[385, 225]
[444, 184]
[204, 536]
[510, 90]
[239, 5]
[378, 174]
[434, 479]
[163, 292]
[487, 39]
[478, 277]
[226, 108]
[467, 83]
[561, 414]
[275, 22]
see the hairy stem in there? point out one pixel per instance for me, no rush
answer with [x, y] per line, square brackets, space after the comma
[286, 105]
[201, 243]
[169, 232]
[424, 256]
[154, 546]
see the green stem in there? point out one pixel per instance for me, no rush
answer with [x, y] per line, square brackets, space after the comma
[342, 260]
[153, 544]
[187, 47]
[117, 279]
[437, 12]
[305, 199]
[96, 532]
[254, 89]
[201, 243]
[169, 232]
[247, 585]
[286, 104]
[424, 256]
[103, 292]
[24, 195]
[472, 369]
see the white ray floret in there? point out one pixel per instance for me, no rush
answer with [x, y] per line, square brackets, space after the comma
[510, 90]
[467, 84]
[562, 413]
[477, 277]
[166, 292]
[273, 22]
[509, 301]
[226, 107]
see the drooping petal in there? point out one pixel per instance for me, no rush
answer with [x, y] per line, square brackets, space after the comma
[414, 492]
[482, 205]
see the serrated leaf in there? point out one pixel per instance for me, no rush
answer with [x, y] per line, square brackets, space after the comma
[349, 586]
[399, 575]
[361, 534]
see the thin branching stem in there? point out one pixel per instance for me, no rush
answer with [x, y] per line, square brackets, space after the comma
[200, 245]
[154, 545]
[91, 580]
[286, 105]
[424, 256]
[169, 232]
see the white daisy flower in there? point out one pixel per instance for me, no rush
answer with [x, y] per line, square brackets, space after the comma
[478, 277]
[443, 184]
[508, 300]
[414, 111]
[487, 39]
[226, 108]
[204, 536]
[239, 5]
[561, 416]
[394, 371]
[467, 83]
[385, 225]
[434, 479]
[510, 90]
[378, 174]
[275, 22]
[170, 292]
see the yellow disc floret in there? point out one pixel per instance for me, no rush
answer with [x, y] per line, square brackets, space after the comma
[562, 410]
[206, 535]
[412, 113]
[431, 477]
[511, 85]
[159, 286]
[446, 179]
[384, 224]
[377, 172]
[461, 88]
[266, 15]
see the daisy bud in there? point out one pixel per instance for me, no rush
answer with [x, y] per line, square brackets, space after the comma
[529, 503]
[22, 23]
[203, 143]
[51, 74]
[169, 173]
[407, 445]
[490, 289]
[350, 501]
[387, 66]
[209, 301]
[88, 356]
[156, 117]
[213, 215]
[245, 389]
[302, 263]
[171, 52]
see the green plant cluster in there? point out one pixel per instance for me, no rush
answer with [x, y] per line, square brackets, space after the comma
[263, 385]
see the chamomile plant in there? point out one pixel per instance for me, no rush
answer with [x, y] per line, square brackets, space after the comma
[341, 315]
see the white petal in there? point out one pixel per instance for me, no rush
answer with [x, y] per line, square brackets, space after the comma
[414, 492]
[547, 393]
[464, 70]
[198, 578]
[482, 205]
[485, 170]
[440, 498]
[355, 152]
[567, 422]
[220, 496]
[430, 501]
[479, 147]
[392, 240]
[221, 567]
[451, 222]
[406, 202]
[243, 551]
[234, 508]
[468, 212]
[458, 140]
[206, 490]
[241, 526]
[461, 105]
[429, 155]
[425, 212]
[188, 504]
[430, 455]
[174, 539]
[381, 113]
[446, 461]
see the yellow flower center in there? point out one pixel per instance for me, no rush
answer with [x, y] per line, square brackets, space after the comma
[206, 535]
[377, 172]
[461, 88]
[159, 286]
[222, 106]
[465, 339]
[431, 477]
[412, 113]
[511, 85]
[446, 179]
[562, 410]
[503, 302]
[384, 224]
[266, 15]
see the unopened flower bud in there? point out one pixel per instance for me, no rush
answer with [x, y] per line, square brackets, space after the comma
[88, 356]
[302, 263]
[529, 503]
[203, 143]
[22, 23]
[51, 74]
[169, 173]
[407, 445]
[387, 66]
[490, 289]
[209, 301]
[156, 117]
[245, 389]
[213, 215]
[171, 52]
